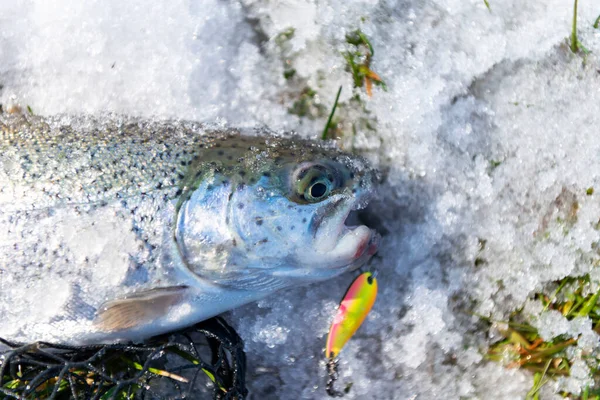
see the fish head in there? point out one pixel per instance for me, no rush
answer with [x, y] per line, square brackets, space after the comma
[266, 212]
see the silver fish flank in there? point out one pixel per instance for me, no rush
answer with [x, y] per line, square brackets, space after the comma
[120, 229]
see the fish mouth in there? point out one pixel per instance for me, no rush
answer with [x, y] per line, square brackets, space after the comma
[369, 238]
[338, 237]
[362, 239]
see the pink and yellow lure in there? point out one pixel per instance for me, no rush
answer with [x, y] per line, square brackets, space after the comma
[353, 310]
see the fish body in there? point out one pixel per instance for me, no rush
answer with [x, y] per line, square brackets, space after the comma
[119, 229]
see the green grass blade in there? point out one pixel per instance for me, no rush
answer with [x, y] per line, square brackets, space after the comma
[155, 371]
[324, 135]
[588, 305]
[550, 351]
[556, 292]
[574, 40]
[367, 42]
[586, 393]
[538, 382]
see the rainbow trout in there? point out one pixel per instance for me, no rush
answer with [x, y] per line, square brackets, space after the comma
[119, 229]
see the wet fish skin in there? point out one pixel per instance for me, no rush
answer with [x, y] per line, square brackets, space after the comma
[118, 228]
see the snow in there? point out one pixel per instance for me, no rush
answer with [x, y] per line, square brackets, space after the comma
[487, 134]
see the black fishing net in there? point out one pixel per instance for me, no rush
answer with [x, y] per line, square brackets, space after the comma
[203, 361]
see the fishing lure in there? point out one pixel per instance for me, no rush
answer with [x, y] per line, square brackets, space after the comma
[353, 310]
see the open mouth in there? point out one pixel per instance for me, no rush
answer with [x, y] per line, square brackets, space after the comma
[368, 239]
[341, 236]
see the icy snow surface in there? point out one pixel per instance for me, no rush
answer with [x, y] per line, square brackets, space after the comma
[488, 133]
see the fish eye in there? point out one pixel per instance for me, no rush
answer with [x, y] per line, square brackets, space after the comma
[314, 183]
[318, 190]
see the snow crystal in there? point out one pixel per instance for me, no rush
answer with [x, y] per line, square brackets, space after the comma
[487, 137]
[271, 335]
[552, 324]
[578, 379]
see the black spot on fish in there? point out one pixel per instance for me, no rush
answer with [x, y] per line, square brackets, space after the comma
[266, 174]
[292, 228]
[242, 173]
[265, 240]
[220, 152]
[279, 228]
[303, 220]
[259, 221]
[240, 205]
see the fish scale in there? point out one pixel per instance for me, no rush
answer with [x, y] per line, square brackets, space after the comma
[67, 165]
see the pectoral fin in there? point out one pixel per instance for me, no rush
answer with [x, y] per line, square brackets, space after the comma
[138, 309]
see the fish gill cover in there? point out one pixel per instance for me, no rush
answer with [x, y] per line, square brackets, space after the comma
[487, 135]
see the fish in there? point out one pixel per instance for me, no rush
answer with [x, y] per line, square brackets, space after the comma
[115, 228]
